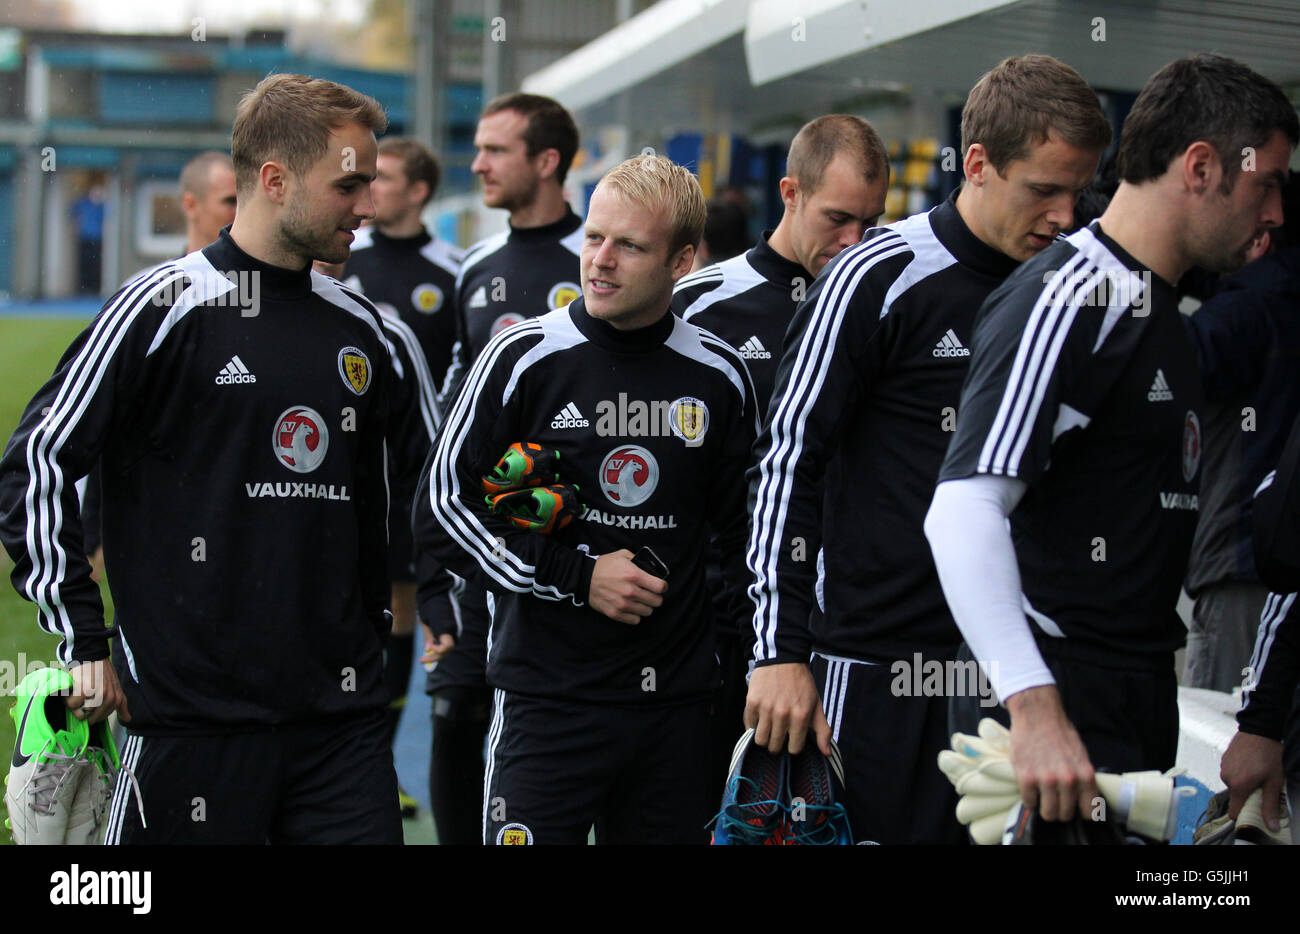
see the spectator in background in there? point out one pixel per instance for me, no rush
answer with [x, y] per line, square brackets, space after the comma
[88, 214]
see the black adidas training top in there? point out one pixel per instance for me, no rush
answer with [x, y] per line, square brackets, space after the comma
[864, 405]
[655, 427]
[509, 278]
[245, 498]
[1083, 385]
[504, 279]
[1277, 519]
[748, 301]
[1275, 662]
[415, 277]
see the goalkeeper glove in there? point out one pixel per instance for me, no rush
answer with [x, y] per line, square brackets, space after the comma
[542, 509]
[523, 465]
[980, 769]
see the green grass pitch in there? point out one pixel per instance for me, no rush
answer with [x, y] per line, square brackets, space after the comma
[32, 348]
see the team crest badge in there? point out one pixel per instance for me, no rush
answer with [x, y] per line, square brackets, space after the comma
[514, 835]
[426, 298]
[628, 475]
[1191, 445]
[300, 439]
[688, 418]
[561, 294]
[508, 320]
[354, 367]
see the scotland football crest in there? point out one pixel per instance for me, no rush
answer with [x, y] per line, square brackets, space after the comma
[354, 367]
[561, 294]
[688, 418]
[427, 298]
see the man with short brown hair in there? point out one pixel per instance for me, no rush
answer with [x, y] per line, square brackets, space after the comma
[850, 620]
[525, 144]
[239, 404]
[837, 175]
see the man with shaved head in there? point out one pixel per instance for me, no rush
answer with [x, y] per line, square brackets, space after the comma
[207, 198]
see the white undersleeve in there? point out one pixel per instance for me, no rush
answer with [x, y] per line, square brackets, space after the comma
[971, 542]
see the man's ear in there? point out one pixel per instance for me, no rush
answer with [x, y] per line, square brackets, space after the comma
[547, 162]
[790, 192]
[189, 204]
[420, 192]
[273, 179]
[976, 165]
[1201, 169]
[681, 264]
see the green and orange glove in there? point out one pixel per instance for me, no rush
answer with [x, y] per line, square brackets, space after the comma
[541, 509]
[523, 465]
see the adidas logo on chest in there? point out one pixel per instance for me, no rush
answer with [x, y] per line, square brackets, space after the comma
[753, 349]
[950, 346]
[234, 372]
[569, 417]
[1160, 391]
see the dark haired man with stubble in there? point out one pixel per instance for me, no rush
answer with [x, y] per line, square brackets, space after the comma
[1080, 424]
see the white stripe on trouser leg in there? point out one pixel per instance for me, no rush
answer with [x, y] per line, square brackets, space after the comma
[115, 805]
[494, 737]
[130, 761]
[839, 703]
[837, 676]
[130, 755]
[828, 691]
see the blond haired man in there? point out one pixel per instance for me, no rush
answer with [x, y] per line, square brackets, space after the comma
[602, 671]
[239, 402]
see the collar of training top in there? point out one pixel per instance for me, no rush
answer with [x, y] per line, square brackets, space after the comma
[772, 266]
[226, 256]
[970, 250]
[399, 243]
[1127, 258]
[547, 232]
[606, 335]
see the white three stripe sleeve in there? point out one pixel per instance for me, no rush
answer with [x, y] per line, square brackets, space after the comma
[57, 441]
[1274, 669]
[453, 522]
[827, 364]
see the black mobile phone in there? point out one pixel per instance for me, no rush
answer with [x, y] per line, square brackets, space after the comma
[649, 562]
